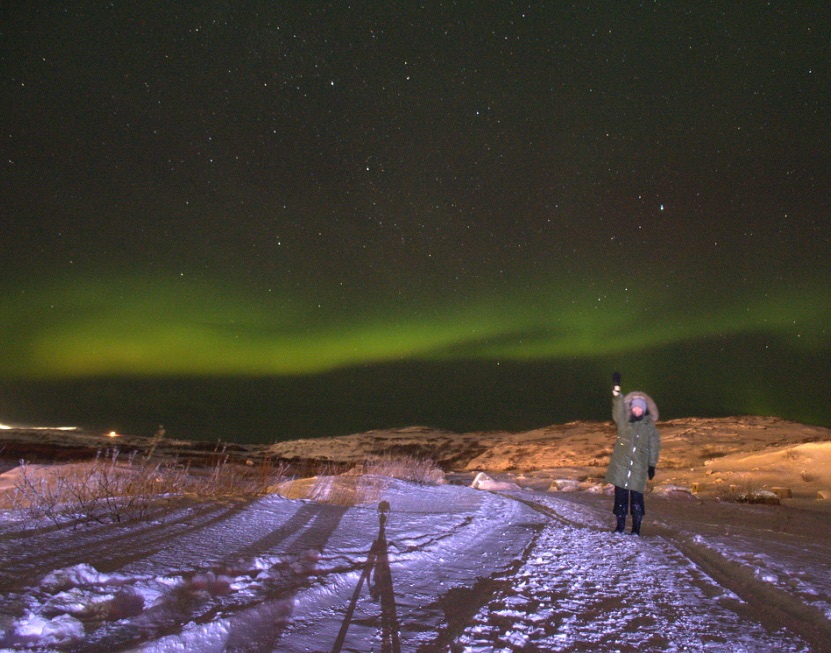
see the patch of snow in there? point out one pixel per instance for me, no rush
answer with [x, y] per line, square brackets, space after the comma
[484, 482]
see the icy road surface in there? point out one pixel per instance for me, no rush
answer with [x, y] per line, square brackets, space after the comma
[450, 569]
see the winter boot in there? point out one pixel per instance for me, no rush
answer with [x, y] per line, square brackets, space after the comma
[636, 524]
[621, 524]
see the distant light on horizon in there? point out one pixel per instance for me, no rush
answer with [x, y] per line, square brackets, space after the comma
[6, 427]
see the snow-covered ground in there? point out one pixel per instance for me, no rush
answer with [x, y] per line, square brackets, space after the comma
[452, 569]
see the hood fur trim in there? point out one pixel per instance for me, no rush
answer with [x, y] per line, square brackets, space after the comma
[651, 406]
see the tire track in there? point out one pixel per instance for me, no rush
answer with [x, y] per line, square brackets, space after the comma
[460, 604]
[28, 559]
[767, 604]
[764, 603]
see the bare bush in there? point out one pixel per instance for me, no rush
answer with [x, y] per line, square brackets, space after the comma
[362, 484]
[225, 478]
[112, 489]
[104, 490]
[406, 468]
[109, 490]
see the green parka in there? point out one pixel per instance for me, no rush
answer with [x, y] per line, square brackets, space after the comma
[638, 444]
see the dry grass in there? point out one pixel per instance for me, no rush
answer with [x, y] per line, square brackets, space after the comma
[406, 468]
[225, 478]
[361, 484]
[343, 490]
[111, 490]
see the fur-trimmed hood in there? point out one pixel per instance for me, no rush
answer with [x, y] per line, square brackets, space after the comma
[651, 406]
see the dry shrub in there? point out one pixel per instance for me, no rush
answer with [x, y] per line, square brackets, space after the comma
[361, 484]
[103, 490]
[343, 490]
[225, 478]
[109, 490]
[406, 468]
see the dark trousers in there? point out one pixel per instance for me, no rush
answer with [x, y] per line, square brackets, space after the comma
[626, 499]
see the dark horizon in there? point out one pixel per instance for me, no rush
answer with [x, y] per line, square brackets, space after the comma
[463, 396]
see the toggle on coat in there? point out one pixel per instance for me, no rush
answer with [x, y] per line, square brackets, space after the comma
[638, 443]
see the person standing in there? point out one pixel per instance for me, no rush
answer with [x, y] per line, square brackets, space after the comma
[635, 455]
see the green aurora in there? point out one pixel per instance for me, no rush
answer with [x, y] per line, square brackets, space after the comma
[151, 327]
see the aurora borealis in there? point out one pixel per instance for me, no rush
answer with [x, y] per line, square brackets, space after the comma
[145, 326]
[443, 213]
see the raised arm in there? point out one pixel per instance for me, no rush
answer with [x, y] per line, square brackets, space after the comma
[618, 408]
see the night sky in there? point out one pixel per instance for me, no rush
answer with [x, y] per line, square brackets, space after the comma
[335, 216]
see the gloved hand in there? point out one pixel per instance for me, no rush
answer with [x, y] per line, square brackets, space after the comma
[651, 473]
[616, 384]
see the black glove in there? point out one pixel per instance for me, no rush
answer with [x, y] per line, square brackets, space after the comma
[651, 473]
[616, 378]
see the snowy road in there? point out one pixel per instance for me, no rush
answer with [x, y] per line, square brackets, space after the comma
[454, 569]
[584, 589]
